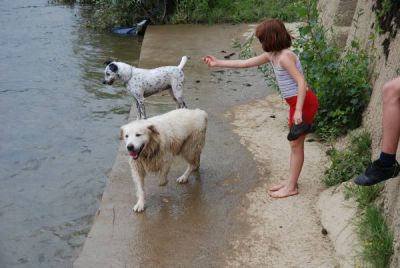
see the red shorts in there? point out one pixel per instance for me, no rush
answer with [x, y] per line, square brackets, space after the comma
[310, 107]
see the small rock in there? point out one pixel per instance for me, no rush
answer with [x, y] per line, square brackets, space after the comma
[324, 231]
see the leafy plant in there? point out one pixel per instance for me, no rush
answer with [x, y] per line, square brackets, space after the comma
[348, 163]
[339, 77]
[108, 13]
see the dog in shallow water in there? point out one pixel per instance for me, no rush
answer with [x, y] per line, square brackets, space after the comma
[153, 143]
[142, 83]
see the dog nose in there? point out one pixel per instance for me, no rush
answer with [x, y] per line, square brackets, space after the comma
[130, 147]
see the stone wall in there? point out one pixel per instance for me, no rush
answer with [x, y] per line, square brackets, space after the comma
[385, 49]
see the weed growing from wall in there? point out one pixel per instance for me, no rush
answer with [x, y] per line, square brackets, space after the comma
[349, 162]
[376, 237]
[339, 77]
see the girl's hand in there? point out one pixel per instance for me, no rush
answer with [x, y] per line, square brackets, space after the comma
[211, 61]
[297, 117]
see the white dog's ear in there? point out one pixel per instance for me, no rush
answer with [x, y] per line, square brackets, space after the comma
[153, 129]
[107, 62]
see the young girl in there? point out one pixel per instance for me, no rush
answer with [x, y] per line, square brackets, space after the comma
[303, 103]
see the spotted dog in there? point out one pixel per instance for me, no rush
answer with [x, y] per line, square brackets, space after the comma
[142, 83]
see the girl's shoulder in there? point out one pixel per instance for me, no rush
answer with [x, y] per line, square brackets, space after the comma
[288, 54]
[286, 57]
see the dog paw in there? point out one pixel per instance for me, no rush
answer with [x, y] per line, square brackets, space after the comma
[163, 183]
[182, 180]
[139, 207]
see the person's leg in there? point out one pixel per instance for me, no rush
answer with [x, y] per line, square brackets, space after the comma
[391, 116]
[296, 163]
[386, 166]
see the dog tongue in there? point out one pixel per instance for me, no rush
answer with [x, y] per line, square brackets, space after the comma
[133, 154]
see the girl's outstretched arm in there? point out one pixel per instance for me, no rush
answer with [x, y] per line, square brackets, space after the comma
[212, 61]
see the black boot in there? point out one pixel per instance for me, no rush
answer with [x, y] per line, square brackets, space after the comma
[376, 173]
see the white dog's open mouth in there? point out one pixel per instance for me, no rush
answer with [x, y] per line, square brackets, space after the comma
[135, 153]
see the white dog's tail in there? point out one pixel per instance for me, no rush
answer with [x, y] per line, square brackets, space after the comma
[183, 62]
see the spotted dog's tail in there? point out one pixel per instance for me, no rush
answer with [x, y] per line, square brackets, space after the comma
[183, 62]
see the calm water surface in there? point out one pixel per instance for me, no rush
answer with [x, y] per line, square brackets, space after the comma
[59, 129]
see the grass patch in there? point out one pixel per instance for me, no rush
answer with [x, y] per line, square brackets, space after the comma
[349, 162]
[363, 195]
[376, 238]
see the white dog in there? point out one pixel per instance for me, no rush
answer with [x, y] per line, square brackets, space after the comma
[142, 83]
[153, 143]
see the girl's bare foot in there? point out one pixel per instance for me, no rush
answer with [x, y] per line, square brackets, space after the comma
[284, 192]
[277, 187]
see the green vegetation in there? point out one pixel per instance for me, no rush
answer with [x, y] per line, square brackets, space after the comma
[339, 77]
[217, 11]
[376, 237]
[363, 195]
[351, 161]
[110, 13]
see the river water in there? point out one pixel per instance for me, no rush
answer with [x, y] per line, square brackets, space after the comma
[59, 129]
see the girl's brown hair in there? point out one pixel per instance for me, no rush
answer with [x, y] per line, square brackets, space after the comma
[273, 36]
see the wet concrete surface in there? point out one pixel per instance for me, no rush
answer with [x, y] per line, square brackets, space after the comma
[187, 225]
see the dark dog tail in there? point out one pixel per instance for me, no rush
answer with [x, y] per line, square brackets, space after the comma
[183, 62]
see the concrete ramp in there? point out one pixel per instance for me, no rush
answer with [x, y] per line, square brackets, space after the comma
[183, 225]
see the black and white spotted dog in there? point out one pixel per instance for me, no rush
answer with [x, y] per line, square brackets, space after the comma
[142, 83]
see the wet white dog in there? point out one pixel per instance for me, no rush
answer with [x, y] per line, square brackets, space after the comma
[153, 143]
[142, 83]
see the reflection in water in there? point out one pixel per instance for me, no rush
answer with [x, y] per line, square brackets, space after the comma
[59, 129]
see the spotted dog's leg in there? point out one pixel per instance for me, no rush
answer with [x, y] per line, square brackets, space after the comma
[138, 115]
[177, 91]
[140, 106]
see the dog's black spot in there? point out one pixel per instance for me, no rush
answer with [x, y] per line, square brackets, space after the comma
[113, 67]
